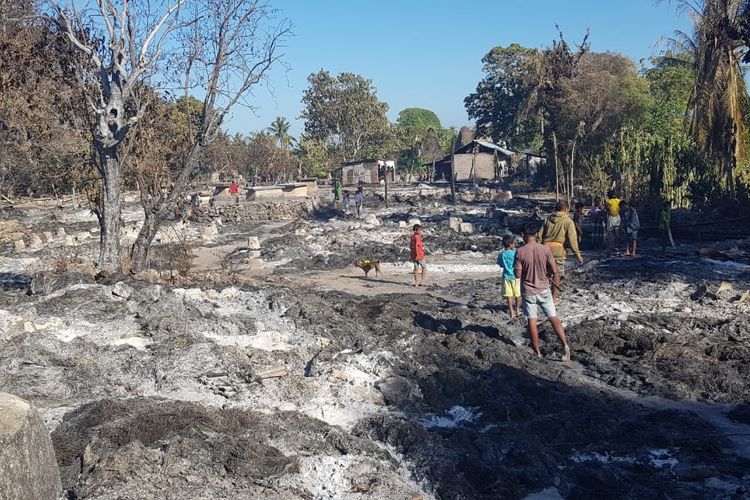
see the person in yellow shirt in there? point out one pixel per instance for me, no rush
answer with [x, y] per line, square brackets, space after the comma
[613, 221]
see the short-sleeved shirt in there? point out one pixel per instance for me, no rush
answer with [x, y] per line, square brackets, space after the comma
[358, 197]
[507, 259]
[614, 206]
[417, 248]
[535, 261]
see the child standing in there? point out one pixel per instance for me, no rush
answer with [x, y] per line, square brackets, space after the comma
[511, 284]
[359, 200]
[613, 221]
[598, 224]
[346, 202]
[416, 255]
[630, 226]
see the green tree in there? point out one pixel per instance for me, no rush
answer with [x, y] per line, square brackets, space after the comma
[510, 76]
[719, 98]
[345, 112]
[280, 130]
[315, 156]
[418, 119]
[670, 84]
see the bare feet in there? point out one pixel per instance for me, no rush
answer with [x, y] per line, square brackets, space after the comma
[538, 354]
[566, 354]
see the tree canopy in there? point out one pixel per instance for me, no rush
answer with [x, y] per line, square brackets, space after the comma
[345, 112]
[419, 120]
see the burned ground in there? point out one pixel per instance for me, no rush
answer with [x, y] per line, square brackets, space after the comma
[308, 381]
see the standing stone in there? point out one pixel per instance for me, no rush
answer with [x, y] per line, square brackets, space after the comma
[504, 196]
[372, 220]
[253, 243]
[35, 241]
[209, 233]
[466, 227]
[28, 468]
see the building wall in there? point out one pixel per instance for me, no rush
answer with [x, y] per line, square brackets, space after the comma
[265, 194]
[295, 191]
[484, 164]
[365, 172]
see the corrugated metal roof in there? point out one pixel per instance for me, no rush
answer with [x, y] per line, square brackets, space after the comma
[491, 145]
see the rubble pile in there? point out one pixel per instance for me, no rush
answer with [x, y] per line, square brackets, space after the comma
[246, 211]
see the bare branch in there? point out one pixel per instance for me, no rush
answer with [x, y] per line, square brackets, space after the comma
[156, 28]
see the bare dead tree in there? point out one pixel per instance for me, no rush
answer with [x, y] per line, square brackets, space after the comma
[239, 41]
[120, 44]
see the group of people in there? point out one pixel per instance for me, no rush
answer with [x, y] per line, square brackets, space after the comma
[532, 274]
[345, 199]
[526, 279]
[618, 219]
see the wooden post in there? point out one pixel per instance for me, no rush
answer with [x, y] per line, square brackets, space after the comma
[453, 177]
[386, 184]
[557, 169]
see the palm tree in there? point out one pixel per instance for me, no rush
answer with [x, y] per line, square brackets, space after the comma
[719, 94]
[280, 130]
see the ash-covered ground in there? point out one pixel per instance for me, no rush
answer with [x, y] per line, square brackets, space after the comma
[281, 372]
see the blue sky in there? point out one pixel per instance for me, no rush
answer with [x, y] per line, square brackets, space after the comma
[427, 54]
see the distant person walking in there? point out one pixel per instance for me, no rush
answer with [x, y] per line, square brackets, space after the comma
[613, 221]
[559, 234]
[598, 224]
[337, 194]
[535, 264]
[506, 259]
[234, 188]
[417, 255]
[630, 227]
[359, 200]
[578, 222]
[347, 201]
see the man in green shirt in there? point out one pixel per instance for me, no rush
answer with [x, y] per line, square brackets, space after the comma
[559, 234]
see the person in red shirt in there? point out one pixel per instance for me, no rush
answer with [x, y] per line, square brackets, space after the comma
[234, 188]
[417, 256]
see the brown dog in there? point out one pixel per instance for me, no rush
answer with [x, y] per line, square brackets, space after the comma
[368, 265]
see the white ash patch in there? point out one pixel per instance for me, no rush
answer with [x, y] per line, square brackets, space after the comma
[456, 417]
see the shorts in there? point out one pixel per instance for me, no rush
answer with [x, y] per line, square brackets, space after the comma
[419, 263]
[512, 288]
[543, 300]
[632, 236]
[613, 223]
[560, 266]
